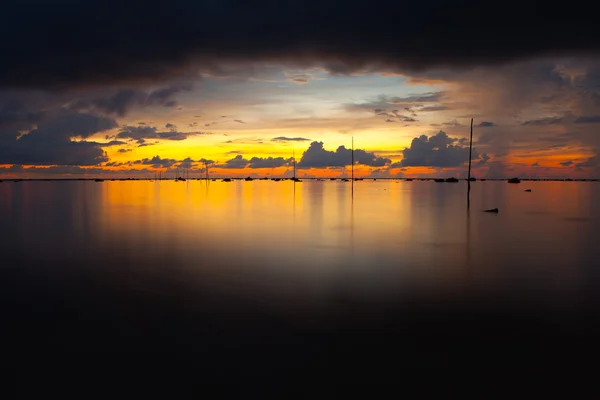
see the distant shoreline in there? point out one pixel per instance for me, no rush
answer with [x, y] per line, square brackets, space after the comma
[289, 179]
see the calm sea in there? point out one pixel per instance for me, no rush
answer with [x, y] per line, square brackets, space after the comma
[263, 278]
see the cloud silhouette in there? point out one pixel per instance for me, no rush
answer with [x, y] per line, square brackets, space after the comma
[268, 162]
[143, 132]
[590, 162]
[543, 121]
[157, 162]
[123, 100]
[317, 157]
[236, 162]
[255, 162]
[438, 150]
[51, 143]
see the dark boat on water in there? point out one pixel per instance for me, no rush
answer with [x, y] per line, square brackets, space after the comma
[514, 180]
[226, 180]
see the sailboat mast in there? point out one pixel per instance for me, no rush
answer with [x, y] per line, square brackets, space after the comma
[469, 173]
[353, 158]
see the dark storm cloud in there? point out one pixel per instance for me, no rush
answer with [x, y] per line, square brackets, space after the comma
[438, 150]
[123, 100]
[485, 124]
[53, 170]
[51, 142]
[566, 163]
[72, 43]
[141, 133]
[316, 157]
[14, 111]
[289, 139]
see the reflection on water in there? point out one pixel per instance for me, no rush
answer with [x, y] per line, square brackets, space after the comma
[310, 247]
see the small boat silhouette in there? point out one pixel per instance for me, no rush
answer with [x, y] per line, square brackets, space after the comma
[491, 210]
[226, 180]
[514, 180]
[528, 190]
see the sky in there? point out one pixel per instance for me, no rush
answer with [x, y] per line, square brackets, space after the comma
[118, 89]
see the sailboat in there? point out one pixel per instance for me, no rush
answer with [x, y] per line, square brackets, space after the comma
[294, 178]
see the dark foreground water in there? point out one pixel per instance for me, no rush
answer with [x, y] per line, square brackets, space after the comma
[274, 280]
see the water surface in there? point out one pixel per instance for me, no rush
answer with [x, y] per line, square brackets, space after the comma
[307, 275]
